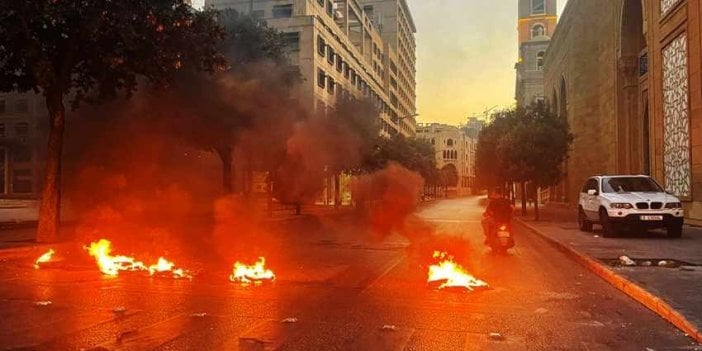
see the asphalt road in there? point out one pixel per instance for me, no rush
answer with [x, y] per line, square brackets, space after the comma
[340, 292]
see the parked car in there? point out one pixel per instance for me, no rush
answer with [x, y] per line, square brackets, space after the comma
[630, 201]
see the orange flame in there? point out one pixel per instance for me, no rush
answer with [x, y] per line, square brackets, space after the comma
[251, 274]
[46, 257]
[112, 265]
[163, 265]
[451, 275]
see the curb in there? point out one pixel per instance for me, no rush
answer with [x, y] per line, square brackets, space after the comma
[636, 292]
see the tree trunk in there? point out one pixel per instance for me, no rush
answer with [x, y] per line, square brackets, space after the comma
[225, 155]
[50, 203]
[524, 198]
[536, 204]
[337, 190]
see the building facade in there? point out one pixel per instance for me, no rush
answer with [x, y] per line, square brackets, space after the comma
[455, 151]
[626, 76]
[21, 144]
[537, 22]
[347, 48]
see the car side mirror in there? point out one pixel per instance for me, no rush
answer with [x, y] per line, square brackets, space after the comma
[592, 192]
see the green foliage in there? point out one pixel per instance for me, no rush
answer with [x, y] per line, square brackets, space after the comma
[523, 145]
[414, 154]
[97, 49]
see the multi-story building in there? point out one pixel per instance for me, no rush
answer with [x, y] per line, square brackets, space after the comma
[455, 151]
[21, 144]
[347, 48]
[537, 22]
[626, 76]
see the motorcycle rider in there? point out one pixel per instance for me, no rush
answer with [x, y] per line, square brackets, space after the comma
[499, 210]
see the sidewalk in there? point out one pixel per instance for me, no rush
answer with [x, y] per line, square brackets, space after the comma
[671, 289]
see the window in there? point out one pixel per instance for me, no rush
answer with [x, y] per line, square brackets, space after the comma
[21, 153]
[321, 79]
[368, 9]
[347, 71]
[330, 8]
[22, 181]
[320, 2]
[591, 184]
[538, 7]
[331, 54]
[22, 128]
[282, 11]
[258, 14]
[630, 184]
[339, 63]
[353, 77]
[538, 31]
[321, 46]
[540, 61]
[22, 105]
[292, 40]
[331, 85]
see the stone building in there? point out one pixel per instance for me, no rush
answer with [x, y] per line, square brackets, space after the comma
[347, 48]
[21, 144]
[626, 76]
[537, 22]
[455, 153]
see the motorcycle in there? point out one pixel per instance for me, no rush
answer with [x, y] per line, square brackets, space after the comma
[502, 239]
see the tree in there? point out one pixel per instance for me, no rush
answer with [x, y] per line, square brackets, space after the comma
[412, 153]
[526, 146]
[214, 110]
[94, 51]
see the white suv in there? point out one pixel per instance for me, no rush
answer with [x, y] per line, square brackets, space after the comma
[628, 200]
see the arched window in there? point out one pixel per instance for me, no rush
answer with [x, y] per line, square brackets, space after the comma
[538, 30]
[540, 61]
[449, 142]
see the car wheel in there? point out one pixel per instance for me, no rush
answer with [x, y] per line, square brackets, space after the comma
[609, 229]
[675, 230]
[583, 223]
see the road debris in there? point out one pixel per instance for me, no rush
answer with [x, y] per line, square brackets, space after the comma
[389, 327]
[496, 336]
[289, 320]
[626, 261]
[43, 303]
[199, 314]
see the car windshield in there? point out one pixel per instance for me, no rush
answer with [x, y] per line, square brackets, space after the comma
[630, 185]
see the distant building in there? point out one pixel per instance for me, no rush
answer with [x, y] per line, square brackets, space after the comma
[537, 22]
[21, 144]
[347, 48]
[455, 154]
[626, 76]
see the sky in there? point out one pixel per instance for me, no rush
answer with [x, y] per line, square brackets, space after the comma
[466, 51]
[465, 57]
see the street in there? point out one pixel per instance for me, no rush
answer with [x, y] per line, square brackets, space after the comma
[343, 295]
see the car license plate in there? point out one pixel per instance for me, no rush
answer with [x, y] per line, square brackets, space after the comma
[651, 218]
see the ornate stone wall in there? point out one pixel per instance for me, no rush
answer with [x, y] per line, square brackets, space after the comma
[676, 117]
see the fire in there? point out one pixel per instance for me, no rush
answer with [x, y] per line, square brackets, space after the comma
[46, 257]
[252, 274]
[163, 266]
[112, 265]
[451, 275]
